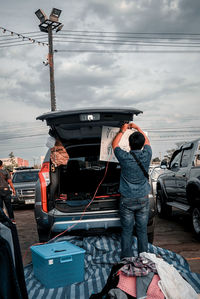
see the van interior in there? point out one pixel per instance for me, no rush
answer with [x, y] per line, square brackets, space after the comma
[85, 176]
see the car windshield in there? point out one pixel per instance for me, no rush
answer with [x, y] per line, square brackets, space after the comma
[25, 176]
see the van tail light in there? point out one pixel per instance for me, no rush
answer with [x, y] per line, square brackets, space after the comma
[44, 182]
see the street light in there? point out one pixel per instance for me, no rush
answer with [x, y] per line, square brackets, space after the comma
[41, 15]
[55, 13]
[48, 25]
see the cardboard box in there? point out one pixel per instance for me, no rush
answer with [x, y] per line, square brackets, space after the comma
[58, 264]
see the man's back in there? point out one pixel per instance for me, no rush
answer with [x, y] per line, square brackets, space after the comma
[134, 188]
[4, 176]
[133, 183]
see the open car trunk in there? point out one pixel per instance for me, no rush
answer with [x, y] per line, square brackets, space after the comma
[85, 177]
[80, 132]
[82, 126]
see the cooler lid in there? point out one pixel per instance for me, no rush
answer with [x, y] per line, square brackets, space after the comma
[57, 249]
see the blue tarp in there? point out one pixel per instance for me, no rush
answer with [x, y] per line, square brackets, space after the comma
[101, 253]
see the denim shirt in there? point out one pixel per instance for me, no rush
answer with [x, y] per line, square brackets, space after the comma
[133, 183]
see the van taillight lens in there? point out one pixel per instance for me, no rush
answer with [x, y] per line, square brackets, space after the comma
[44, 181]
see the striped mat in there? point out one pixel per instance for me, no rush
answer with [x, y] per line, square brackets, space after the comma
[101, 253]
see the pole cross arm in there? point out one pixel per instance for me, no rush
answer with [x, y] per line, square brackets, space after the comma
[44, 25]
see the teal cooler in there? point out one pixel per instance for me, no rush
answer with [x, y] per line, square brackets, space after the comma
[58, 264]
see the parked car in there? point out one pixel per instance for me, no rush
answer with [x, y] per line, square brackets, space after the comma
[151, 167]
[80, 132]
[154, 174]
[24, 181]
[179, 185]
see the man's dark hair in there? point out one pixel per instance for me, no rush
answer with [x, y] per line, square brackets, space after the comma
[1, 163]
[136, 141]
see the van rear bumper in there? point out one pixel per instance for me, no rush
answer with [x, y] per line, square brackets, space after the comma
[86, 224]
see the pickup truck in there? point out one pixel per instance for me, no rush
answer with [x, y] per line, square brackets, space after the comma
[179, 185]
[24, 181]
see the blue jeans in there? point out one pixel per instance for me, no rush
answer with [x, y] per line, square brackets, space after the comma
[5, 196]
[134, 213]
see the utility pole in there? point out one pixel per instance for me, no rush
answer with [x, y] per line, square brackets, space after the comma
[48, 25]
[51, 69]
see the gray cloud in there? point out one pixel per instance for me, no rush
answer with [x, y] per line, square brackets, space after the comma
[149, 16]
[164, 86]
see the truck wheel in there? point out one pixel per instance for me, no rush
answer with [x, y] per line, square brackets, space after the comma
[196, 222]
[163, 210]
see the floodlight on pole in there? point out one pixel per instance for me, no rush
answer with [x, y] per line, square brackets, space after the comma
[55, 13]
[48, 25]
[41, 15]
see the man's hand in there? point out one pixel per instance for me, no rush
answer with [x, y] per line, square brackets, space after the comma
[128, 126]
[124, 128]
[118, 137]
[133, 126]
[136, 127]
[11, 186]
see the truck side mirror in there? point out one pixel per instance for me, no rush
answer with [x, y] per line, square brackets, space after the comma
[174, 165]
[163, 164]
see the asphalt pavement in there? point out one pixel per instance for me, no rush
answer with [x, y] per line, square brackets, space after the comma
[174, 234]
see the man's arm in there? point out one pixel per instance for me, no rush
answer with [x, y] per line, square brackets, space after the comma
[11, 185]
[134, 126]
[118, 137]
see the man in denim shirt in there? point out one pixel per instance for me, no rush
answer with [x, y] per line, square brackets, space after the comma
[134, 188]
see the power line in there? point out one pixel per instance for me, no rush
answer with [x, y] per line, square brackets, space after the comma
[172, 130]
[139, 44]
[73, 35]
[111, 32]
[124, 51]
[9, 37]
[85, 36]
[131, 44]
[32, 32]
[161, 137]
[24, 38]
[60, 38]
[22, 44]
[29, 147]
[136, 33]
[172, 136]
[142, 44]
[25, 136]
[172, 140]
[11, 42]
[88, 37]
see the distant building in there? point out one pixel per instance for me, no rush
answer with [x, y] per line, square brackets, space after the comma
[18, 161]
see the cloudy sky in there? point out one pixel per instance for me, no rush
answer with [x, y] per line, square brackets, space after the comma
[143, 54]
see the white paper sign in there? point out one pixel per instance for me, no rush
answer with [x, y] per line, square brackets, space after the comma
[107, 136]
